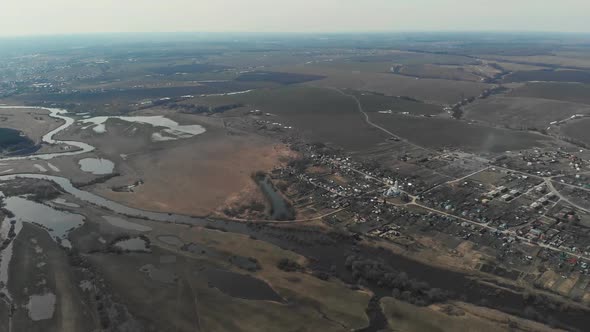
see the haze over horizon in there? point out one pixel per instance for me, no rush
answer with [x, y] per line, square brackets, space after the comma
[35, 17]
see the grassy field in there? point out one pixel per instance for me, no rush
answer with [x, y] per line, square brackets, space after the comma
[124, 99]
[522, 112]
[374, 102]
[558, 60]
[405, 317]
[430, 90]
[334, 298]
[572, 92]
[248, 60]
[440, 72]
[510, 66]
[276, 77]
[439, 133]
[355, 66]
[310, 109]
[578, 130]
[416, 58]
[188, 69]
[550, 76]
[34, 123]
[190, 303]
[323, 115]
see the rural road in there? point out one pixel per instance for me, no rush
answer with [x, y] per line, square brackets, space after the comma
[549, 184]
[374, 125]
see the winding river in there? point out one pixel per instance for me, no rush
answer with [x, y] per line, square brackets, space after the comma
[74, 148]
[80, 148]
[77, 147]
[328, 255]
[66, 184]
[100, 201]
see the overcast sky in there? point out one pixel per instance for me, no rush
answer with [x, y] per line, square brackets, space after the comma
[31, 17]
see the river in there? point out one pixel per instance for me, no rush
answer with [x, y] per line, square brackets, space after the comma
[325, 254]
[76, 147]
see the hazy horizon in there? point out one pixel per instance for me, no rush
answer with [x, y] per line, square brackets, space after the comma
[34, 17]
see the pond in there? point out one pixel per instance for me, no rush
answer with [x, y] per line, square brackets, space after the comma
[133, 244]
[74, 146]
[14, 142]
[241, 285]
[280, 209]
[41, 306]
[57, 222]
[97, 166]
[159, 274]
[171, 129]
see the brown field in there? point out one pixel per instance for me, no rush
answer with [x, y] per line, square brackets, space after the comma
[196, 176]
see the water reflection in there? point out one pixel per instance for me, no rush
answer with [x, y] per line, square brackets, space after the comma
[58, 223]
[96, 166]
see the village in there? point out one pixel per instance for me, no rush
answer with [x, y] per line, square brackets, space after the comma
[516, 216]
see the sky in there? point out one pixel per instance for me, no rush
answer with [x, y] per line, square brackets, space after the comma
[40, 17]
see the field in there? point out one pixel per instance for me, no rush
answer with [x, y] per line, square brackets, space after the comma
[523, 112]
[43, 268]
[415, 58]
[571, 92]
[174, 173]
[188, 69]
[188, 299]
[175, 177]
[11, 141]
[578, 130]
[564, 60]
[425, 174]
[116, 100]
[276, 77]
[34, 123]
[341, 305]
[428, 90]
[438, 133]
[440, 72]
[549, 76]
[516, 67]
[406, 317]
[373, 102]
[322, 115]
